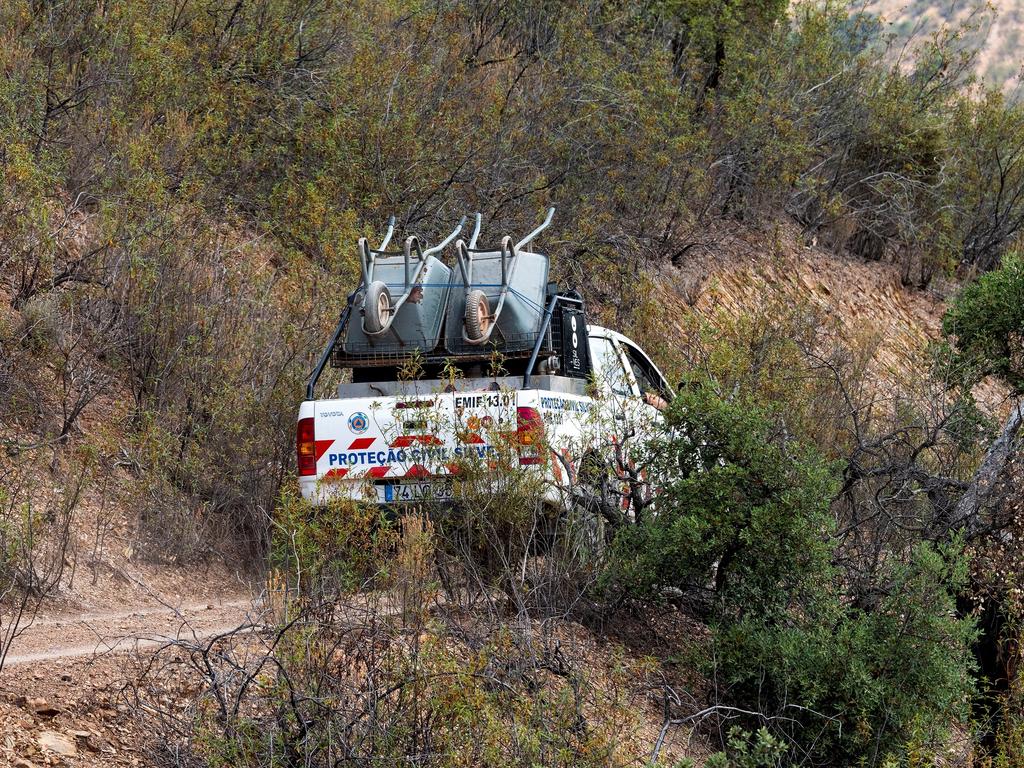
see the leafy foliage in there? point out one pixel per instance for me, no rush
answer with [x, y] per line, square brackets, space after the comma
[746, 750]
[740, 501]
[987, 324]
[339, 547]
[847, 682]
[744, 515]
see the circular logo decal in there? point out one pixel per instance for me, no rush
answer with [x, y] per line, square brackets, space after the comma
[358, 423]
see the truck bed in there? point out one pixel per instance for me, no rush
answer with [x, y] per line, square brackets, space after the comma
[377, 436]
[562, 384]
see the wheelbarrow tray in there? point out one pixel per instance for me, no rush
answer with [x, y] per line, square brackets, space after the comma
[417, 324]
[522, 314]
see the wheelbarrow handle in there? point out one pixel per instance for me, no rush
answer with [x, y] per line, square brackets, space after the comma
[538, 230]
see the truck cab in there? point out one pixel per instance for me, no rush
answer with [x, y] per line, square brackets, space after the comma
[622, 368]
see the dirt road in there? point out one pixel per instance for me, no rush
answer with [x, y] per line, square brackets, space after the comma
[52, 638]
[65, 687]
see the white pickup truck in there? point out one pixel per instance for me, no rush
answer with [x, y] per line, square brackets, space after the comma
[407, 422]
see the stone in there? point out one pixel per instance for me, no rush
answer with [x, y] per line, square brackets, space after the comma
[57, 742]
[40, 707]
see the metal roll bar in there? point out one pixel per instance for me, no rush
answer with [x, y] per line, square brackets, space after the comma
[343, 320]
[548, 314]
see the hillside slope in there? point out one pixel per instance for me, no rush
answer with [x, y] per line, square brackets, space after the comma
[862, 307]
[995, 31]
[745, 272]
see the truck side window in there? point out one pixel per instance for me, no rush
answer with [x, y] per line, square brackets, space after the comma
[608, 368]
[652, 386]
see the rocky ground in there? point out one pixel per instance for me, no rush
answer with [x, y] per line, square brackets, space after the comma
[66, 684]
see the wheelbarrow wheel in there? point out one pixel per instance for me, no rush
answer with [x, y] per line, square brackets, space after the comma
[478, 316]
[377, 307]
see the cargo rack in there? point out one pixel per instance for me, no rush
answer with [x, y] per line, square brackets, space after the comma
[548, 347]
[547, 344]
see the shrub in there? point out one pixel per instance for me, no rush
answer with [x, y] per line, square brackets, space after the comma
[986, 322]
[373, 694]
[742, 512]
[747, 750]
[385, 674]
[743, 517]
[854, 685]
[37, 527]
[339, 547]
[41, 323]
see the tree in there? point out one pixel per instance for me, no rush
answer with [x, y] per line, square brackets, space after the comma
[985, 328]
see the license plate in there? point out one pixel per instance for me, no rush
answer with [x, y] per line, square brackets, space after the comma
[423, 491]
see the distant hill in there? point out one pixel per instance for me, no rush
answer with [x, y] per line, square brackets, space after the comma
[993, 29]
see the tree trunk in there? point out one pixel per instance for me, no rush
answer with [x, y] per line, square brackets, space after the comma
[967, 515]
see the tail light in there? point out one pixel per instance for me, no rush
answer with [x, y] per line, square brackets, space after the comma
[530, 431]
[305, 446]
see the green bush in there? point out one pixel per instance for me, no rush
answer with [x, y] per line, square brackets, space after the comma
[743, 512]
[986, 322]
[744, 515]
[339, 547]
[746, 750]
[850, 684]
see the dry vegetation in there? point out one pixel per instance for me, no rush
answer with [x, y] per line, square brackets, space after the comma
[761, 194]
[992, 29]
